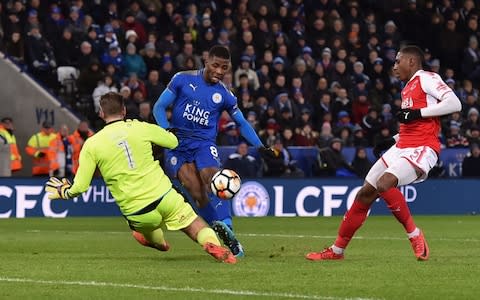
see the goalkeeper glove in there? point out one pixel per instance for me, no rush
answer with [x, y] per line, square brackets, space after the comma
[57, 189]
[408, 115]
[382, 146]
[266, 152]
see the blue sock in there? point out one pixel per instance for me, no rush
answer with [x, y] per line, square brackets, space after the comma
[223, 209]
[208, 213]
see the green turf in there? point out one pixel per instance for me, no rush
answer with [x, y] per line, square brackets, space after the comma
[96, 258]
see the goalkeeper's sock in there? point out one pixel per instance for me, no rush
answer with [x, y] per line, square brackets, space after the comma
[399, 208]
[208, 213]
[222, 208]
[352, 220]
[207, 235]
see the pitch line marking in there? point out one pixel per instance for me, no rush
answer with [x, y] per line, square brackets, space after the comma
[275, 235]
[176, 289]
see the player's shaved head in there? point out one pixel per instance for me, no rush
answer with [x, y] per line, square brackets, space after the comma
[112, 104]
[414, 52]
[217, 64]
[219, 51]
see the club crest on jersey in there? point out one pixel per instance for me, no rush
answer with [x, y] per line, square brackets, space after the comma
[217, 98]
[173, 160]
[407, 103]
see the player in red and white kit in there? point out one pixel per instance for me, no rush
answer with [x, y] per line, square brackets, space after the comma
[413, 152]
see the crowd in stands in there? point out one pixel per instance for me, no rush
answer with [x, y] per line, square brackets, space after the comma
[305, 72]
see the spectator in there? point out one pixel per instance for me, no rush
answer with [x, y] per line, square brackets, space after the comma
[360, 163]
[229, 135]
[145, 112]
[89, 78]
[154, 86]
[15, 48]
[40, 56]
[244, 164]
[245, 68]
[471, 162]
[66, 49]
[282, 165]
[104, 86]
[133, 63]
[331, 162]
[151, 57]
[455, 139]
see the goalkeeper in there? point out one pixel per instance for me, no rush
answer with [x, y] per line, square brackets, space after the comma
[123, 153]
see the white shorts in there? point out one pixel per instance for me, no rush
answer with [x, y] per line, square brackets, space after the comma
[403, 162]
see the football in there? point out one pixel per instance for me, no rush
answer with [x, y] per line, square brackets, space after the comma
[225, 184]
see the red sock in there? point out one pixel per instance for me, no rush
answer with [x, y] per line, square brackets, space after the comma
[352, 220]
[399, 208]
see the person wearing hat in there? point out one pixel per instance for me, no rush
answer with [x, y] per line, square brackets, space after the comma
[43, 148]
[7, 133]
[410, 156]
[471, 162]
[245, 68]
[131, 23]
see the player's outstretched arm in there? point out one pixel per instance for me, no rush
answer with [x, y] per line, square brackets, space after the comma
[160, 136]
[246, 130]
[160, 107]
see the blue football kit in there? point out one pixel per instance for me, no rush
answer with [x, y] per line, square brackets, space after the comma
[196, 109]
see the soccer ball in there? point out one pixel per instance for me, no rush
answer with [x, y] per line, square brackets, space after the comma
[225, 184]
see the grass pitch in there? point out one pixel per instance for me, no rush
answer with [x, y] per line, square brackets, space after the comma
[96, 258]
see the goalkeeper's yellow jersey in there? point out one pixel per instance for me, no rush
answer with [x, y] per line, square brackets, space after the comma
[122, 151]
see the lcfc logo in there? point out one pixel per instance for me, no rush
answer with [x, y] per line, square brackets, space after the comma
[251, 201]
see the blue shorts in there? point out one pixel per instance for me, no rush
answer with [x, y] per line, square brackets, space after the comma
[203, 153]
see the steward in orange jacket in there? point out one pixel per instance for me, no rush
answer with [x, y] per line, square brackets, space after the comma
[43, 147]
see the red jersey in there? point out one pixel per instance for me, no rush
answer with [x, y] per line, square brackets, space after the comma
[422, 90]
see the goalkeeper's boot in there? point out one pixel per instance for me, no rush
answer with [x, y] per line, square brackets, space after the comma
[228, 237]
[220, 253]
[143, 241]
[326, 254]
[420, 247]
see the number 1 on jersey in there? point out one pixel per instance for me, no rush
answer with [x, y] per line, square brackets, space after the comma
[128, 153]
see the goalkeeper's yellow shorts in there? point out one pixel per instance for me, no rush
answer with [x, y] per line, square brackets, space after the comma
[173, 212]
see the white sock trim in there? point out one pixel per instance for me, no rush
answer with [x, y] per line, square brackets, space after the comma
[337, 250]
[414, 233]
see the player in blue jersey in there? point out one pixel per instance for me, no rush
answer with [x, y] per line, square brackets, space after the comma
[198, 98]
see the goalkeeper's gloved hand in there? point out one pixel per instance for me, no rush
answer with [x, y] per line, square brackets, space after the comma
[382, 146]
[408, 115]
[266, 152]
[57, 189]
